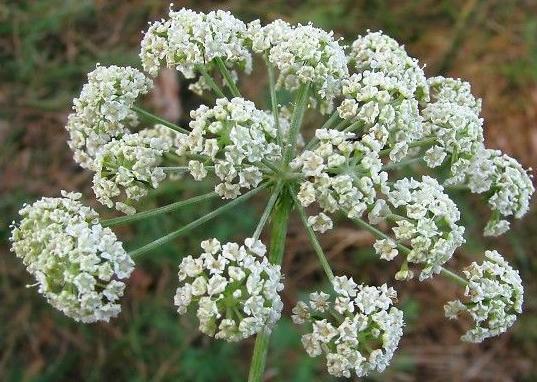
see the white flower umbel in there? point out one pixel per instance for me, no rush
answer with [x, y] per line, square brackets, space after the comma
[79, 266]
[506, 184]
[452, 118]
[303, 54]
[235, 138]
[188, 40]
[427, 219]
[453, 90]
[384, 92]
[128, 167]
[103, 110]
[233, 287]
[376, 52]
[357, 328]
[494, 297]
[341, 174]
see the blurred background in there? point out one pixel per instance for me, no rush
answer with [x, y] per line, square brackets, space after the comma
[46, 49]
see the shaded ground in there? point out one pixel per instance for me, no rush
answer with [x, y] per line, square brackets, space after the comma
[46, 47]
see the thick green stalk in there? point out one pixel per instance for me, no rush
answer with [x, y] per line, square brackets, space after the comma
[227, 77]
[156, 119]
[280, 216]
[181, 231]
[301, 103]
[313, 241]
[157, 211]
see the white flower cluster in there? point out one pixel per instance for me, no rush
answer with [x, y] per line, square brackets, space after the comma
[452, 117]
[341, 174]
[428, 222]
[131, 164]
[384, 92]
[189, 39]
[358, 329]
[234, 287]
[378, 53]
[502, 179]
[303, 54]
[103, 110]
[236, 138]
[494, 297]
[78, 265]
[453, 90]
[162, 135]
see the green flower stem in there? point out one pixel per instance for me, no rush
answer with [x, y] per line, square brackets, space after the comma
[210, 81]
[423, 142]
[331, 121]
[379, 233]
[341, 124]
[274, 99]
[453, 276]
[353, 126]
[457, 187]
[313, 240]
[271, 166]
[268, 210]
[227, 77]
[259, 358]
[182, 168]
[301, 103]
[443, 271]
[395, 165]
[280, 216]
[156, 119]
[157, 211]
[327, 125]
[175, 169]
[181, 231]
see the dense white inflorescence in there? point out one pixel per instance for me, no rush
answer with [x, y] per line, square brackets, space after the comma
[233, 287]
[502, 179]
[304, 55]
[129, 166]
[190, 40]
[79, 266]
[384, 92]
[378, 53]
[340, 175]
[452, 118]
[456, 91]
[234, 138]
[427, 219]
[357, 329]
[494, 298]
[103, 110]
